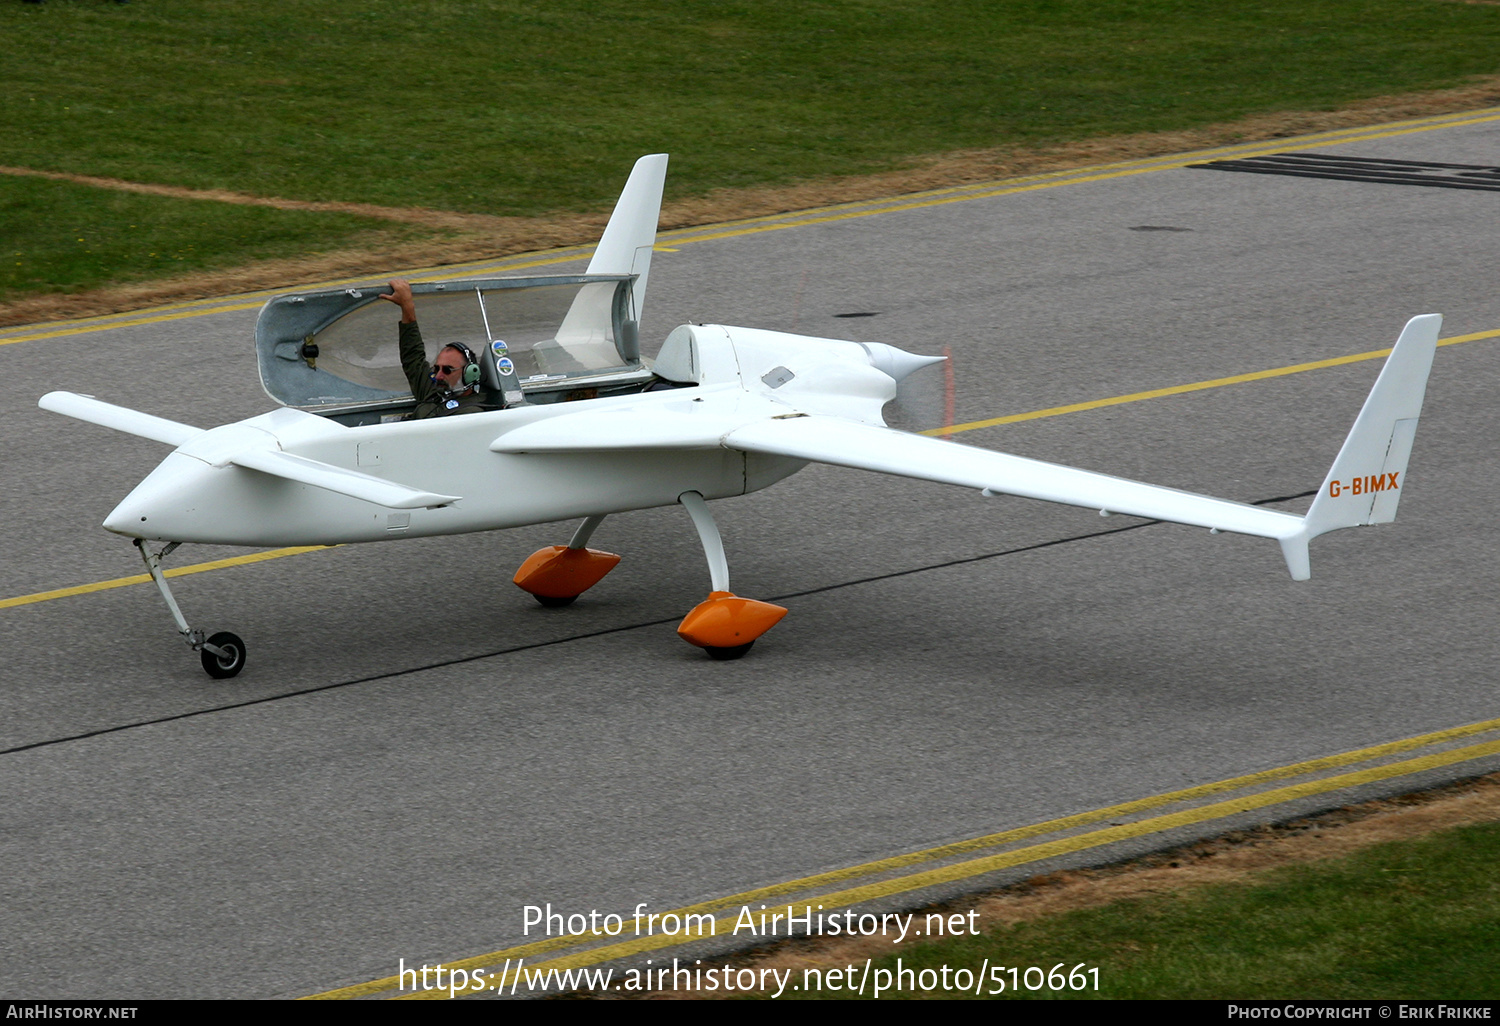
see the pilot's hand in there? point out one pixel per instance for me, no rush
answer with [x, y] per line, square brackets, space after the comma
[400, 294]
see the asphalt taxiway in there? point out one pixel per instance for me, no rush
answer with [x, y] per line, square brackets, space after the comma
[417, 751]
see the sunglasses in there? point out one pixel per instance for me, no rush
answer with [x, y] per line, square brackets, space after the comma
[445, 369]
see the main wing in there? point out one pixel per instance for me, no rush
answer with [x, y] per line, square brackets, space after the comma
[1362, 487]
[863, 447]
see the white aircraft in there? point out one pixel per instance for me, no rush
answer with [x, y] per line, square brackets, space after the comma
[583, 426]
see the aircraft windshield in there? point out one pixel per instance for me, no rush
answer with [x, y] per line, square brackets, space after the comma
[553, 329]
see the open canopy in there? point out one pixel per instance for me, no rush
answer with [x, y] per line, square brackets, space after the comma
[321, 350]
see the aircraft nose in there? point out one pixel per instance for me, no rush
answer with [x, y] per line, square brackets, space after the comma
[132, 517]
[156, 507]
[122, 520]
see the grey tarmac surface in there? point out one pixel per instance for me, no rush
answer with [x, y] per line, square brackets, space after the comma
[470, 752]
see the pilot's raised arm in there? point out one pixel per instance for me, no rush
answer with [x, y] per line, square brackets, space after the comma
[449, 386]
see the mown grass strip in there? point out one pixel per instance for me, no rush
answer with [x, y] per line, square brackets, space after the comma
[1415, 919]
[509, 107]
[496, 106]
[62, 237]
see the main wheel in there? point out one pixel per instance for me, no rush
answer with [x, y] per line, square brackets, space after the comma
[552, 602]
[734, 652]
[231, 662]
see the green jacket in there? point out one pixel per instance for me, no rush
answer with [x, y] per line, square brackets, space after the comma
[430, 399]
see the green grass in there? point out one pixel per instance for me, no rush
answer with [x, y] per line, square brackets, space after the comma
[521, 107]
[1414, 919]
[60, 237]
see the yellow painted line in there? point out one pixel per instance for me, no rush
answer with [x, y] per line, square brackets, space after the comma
[840, 212]
[249, 300]
[724, 925]
[1197, 386]
[161, 315]
[1064, 823]
[1104, 173]
[181, 571]
[1054, 411]
[1137, 166]
[153, 318]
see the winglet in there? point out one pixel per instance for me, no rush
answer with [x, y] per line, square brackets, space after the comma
[1364, 484]
[625, 247]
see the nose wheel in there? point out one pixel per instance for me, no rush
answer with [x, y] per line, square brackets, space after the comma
[223, 654]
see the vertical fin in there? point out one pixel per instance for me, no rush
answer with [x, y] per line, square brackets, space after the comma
[624, 248]
[1365, 481]
[1364, 484]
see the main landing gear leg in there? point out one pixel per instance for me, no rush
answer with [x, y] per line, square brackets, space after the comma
[724, 625]
[558, 574]
[223, 654]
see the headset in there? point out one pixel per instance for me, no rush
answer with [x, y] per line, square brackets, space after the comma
[471, 372]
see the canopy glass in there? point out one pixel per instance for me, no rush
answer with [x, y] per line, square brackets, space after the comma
[339, 348]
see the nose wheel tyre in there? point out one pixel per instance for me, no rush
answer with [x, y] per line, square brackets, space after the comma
[732, 652]
[231, 662]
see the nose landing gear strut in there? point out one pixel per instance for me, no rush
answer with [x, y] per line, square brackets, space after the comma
[223, 654]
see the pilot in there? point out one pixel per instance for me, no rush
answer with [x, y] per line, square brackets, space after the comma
[451, 384]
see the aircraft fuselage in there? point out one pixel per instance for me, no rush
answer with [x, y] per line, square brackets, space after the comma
[196, 495]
